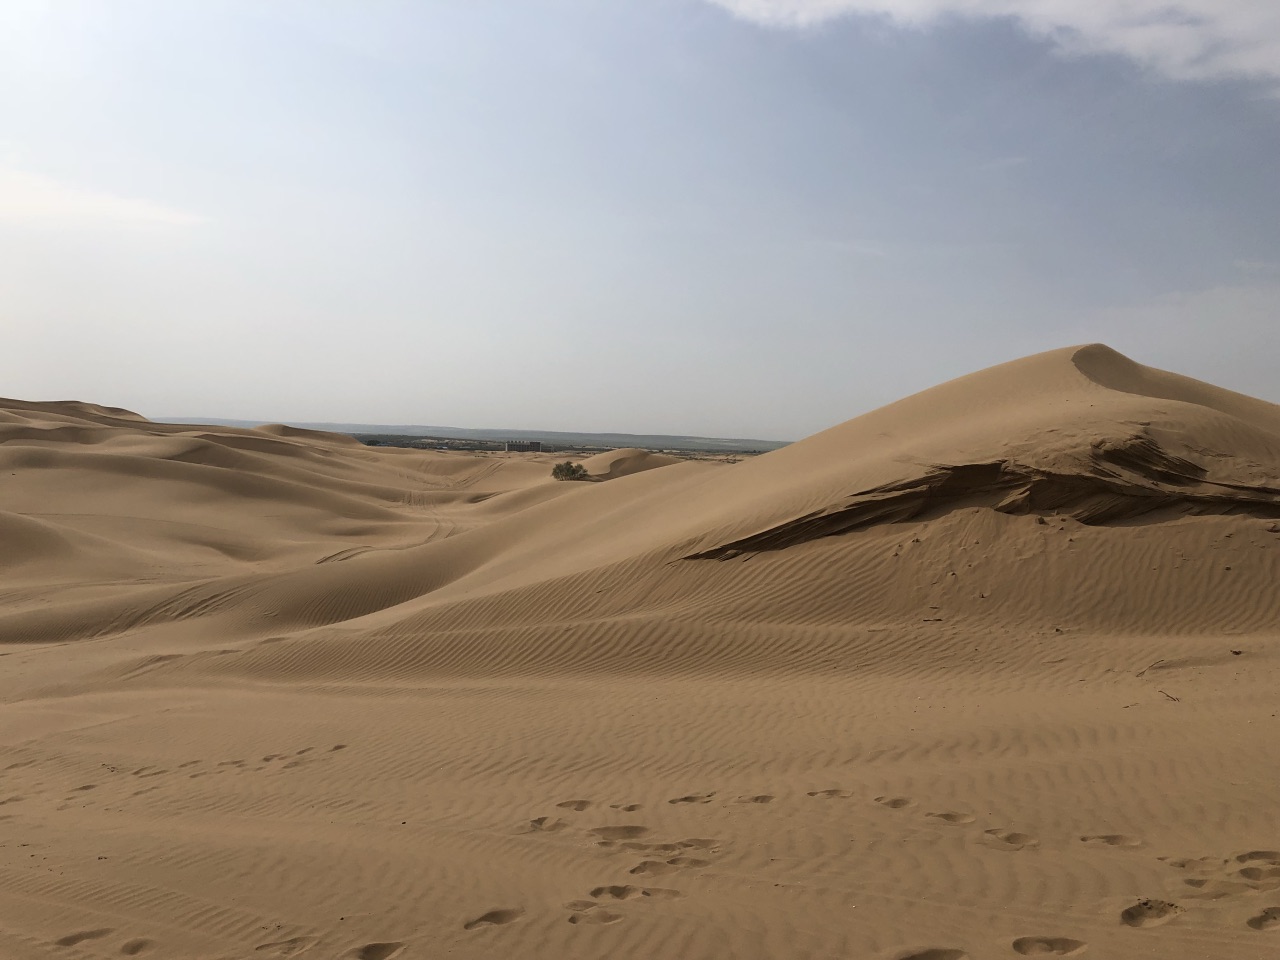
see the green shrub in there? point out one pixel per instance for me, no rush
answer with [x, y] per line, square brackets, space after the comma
[569, 471]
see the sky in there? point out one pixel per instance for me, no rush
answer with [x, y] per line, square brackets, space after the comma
[748, 218]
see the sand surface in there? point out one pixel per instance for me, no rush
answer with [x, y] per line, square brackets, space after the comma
[990, 672]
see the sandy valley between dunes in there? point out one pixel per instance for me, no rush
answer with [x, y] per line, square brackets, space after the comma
[989, 672]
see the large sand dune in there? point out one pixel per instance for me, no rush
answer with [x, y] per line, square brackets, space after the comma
[988, 672]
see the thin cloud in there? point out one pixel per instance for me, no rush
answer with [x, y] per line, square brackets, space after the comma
[1182, 39]
[31, 197]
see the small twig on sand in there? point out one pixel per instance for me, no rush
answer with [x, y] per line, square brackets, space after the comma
[1145, 669]
[1170, 696]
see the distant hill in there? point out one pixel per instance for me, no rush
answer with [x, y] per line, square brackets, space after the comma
[655, 441]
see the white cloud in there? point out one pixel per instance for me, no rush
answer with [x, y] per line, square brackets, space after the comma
[1183, 39]
[32, 197]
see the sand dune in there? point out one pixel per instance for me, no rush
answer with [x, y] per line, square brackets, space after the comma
[625, 462]
[988, 672]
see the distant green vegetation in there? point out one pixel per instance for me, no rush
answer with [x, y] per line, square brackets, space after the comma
[459, 438]
[569, 471]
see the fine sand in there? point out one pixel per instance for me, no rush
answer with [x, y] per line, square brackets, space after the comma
[987, 673]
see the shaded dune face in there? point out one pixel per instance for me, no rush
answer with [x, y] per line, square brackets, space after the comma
[1070, 433]
[1117, 481]
[988, 671]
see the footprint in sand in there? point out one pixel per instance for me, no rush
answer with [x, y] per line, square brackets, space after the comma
[637, 845]
[935, 953]
[1150, 913]
[678, 846]
[71, 939]
[833, 794]
[663, 893]
[132, 948]
[656, 868]
[694, 798]
[376, 951]
[1048, 946]
[626, 832]
[1260, 874]
[494, 918]
[1208, 889]
[1271, 856]
[577, 806]
[896, 803]
[699, 843]
[1202, 865]
[617, 891]
[624, 891]
[595, 915]
[1268, 919]
[1262, 868]
[651, 868]
[1011, 839]
[758, 798]
[626, 807]
[547, 825]
[286, 948]
[1111, 840]
[953, 817]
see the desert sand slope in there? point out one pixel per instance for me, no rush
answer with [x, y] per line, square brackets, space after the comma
[623, 463]
[985, 673]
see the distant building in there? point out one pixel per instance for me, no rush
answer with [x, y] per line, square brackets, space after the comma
[524, 446]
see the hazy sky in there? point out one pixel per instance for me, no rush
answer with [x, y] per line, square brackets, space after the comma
[727, 217]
